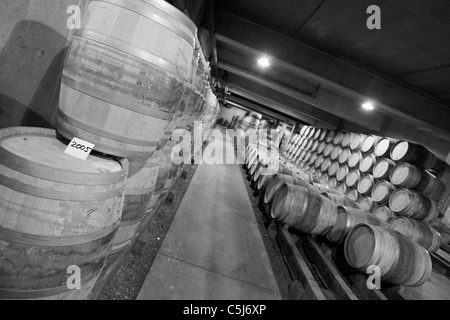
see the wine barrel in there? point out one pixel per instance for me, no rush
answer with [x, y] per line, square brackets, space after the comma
[346, 139]
[122, 81]
[382, 168]
[300, 141]
[254, 115]
[353, 194]
[303, 209]
[304, 143]
[335, 153]
[313, 158]
[384, 147]
[302, 155]
[367, 163]
[323, 135]
[344, 155]
[314, 145]
[406, 151]
[357, 140]
[382, 191]
[325, 165]
[417, 231]
[303, 131]
[311, 133]
[369, 143]
[338, 138]
[316, 134]
[367, 203]
[412, 177]
[318, 162]
[333, 169]
[328, 149]
[414, 205]
[401, 261]
[140, 185]
[56, 211]
[342, 188]
[342, 173]
[346, 219]
[354, 159]
[309, 145]
[321, 147]
[365, 185]
[321, 187]
[383, 213]
[332, 182]
[352, 179]
[330, 136]
[275, 183]
[341, 200]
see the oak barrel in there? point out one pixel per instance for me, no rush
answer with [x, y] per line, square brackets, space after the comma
[367, 203]
[277, 181]
[382, 168]
[417, 231]
[344, 155]
[369, 143]
[303, 209]
[383, 213]
[354, 159]
[341, 200]
[401, 261]
[346, 219]
[383, 147]
[365, 184]
[357, 140]
[56, 211]
[407, 151]
[382, 191]
[124, 75]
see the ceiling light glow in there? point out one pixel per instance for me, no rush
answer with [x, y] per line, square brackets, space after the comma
[264, 62]
[368, 106]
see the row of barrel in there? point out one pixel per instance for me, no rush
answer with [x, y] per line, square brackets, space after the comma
[398, 246]
[386, 176]
[125, 95]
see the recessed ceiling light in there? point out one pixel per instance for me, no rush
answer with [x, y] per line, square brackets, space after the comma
[368, 105]
[264, 62]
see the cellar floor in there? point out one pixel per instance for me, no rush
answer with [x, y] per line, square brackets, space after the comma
[213, 249]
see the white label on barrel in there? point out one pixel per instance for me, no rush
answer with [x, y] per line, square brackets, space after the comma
[79, 148]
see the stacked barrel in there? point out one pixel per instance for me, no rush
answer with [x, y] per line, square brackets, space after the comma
[125, 88]
[389, 185]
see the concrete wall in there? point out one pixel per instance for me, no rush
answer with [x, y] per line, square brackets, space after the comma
[33, 38]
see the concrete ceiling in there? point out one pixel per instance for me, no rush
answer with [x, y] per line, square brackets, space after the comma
[326, 62]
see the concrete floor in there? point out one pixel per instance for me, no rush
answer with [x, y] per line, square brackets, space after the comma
[214, 249]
